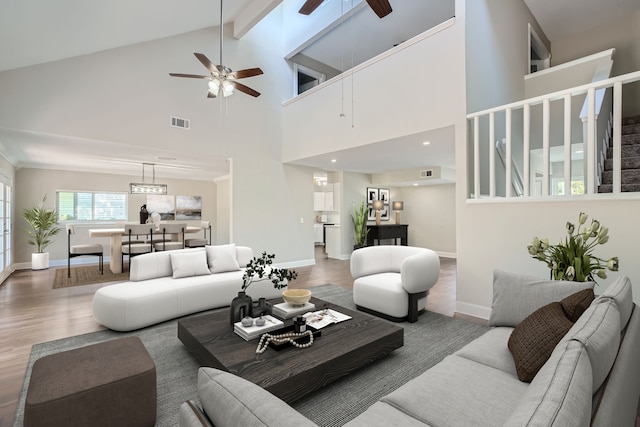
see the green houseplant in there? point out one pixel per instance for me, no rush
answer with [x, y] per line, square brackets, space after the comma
[573, 259]
[359, 221]
[41, 231]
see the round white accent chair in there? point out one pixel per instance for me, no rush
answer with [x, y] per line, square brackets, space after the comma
[392, 282]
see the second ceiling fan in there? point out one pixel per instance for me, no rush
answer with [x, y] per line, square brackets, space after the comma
[381, 7]
[222, 79]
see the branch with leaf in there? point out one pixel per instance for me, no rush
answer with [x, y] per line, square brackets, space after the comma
[259, 269]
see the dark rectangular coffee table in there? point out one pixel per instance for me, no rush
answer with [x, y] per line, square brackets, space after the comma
[292, 372]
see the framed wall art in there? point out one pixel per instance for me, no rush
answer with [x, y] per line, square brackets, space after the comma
[372, 195]
[188, 207]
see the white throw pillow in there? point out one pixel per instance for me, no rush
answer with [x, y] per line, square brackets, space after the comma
[222, 258]
[187, 264]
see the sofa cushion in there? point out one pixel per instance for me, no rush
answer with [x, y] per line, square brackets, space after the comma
[188, 264]
[534, 339]
[620, 292]
[229, 400]
[382, 414]
[222, 258]
[516, 296]
[598, 329]
[560, 395]
[455, 392]
[384, 293]
[491, 349]
[576, 304]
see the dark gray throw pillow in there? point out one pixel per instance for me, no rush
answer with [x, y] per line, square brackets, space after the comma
[533, 340]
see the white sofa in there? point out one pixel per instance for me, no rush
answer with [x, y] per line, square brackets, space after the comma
[166, 285]
[393, 281]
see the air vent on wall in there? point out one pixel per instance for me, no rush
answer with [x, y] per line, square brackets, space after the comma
[177, 122]
[427, 173]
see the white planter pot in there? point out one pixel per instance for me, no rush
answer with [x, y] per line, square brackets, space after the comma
[40, 261]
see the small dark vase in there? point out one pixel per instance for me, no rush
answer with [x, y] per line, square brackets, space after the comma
[263, 307]
[240, 307]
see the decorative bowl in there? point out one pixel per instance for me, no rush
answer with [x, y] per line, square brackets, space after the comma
[296, 296]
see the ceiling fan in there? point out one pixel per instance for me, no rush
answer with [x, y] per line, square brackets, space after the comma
[222, 78]
[381, 7]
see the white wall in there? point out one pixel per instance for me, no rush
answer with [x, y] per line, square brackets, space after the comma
[429, 212]
[222, 226]
[621, 34]
[435, 69]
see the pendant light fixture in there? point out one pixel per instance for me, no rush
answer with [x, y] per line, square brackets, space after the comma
[144, 188]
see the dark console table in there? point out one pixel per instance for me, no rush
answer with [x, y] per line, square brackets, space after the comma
[387, 231]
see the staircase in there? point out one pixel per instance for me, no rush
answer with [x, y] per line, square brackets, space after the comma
[630, 159]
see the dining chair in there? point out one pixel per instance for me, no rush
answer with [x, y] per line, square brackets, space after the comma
[132, 231]
[200, 242]
[167, 230]
[94, 249]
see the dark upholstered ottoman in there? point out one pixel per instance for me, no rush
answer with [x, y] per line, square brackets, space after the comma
[107, 384]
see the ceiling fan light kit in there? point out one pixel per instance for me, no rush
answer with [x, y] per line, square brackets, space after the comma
[223, 80]
[381, 7]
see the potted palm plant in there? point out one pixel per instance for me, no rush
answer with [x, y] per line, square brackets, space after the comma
[42, 228]
[359, 221]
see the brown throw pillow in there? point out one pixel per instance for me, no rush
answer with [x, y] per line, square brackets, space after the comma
[574, 305]
[533, 340]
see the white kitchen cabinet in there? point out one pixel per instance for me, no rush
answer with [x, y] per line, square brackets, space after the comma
[328, 201]
[318, 201]
[317, 233]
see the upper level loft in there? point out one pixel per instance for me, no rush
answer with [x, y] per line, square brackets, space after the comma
[570, 137]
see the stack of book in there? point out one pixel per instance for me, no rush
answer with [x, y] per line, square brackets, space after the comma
[252, 332]
[287, 311]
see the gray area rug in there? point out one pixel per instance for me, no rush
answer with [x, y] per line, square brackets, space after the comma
[426, 342]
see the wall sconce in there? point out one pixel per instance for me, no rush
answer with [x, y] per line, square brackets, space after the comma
[378, 205]
[398, 206]
[144, 188]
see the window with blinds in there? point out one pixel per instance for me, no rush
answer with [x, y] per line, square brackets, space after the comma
[91, 206]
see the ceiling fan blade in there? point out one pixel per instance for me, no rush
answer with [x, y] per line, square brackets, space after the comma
[210, 94]
[381, 7]
[207, 63]
[249, 72]
[309, 6]
[245, 89]
[191, 76]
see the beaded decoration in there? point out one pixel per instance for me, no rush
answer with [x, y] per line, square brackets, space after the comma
[281, 339]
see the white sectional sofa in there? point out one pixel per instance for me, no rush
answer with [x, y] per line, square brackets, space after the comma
[591, 377]
[166, 285]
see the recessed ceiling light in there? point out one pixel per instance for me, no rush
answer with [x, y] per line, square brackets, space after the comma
[426, 143]
[415, 184]
[334, 161]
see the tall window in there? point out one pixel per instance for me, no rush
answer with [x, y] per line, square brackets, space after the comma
[91, 206]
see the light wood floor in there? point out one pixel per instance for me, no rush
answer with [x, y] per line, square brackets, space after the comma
[32, 312]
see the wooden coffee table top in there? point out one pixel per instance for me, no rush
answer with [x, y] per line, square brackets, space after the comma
[292, 372]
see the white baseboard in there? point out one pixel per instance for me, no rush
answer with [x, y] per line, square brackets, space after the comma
[473, 310]
[299, 263]
[342, 257]
[447, 254]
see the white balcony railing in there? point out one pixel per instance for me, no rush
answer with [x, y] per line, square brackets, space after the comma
[484, 130]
